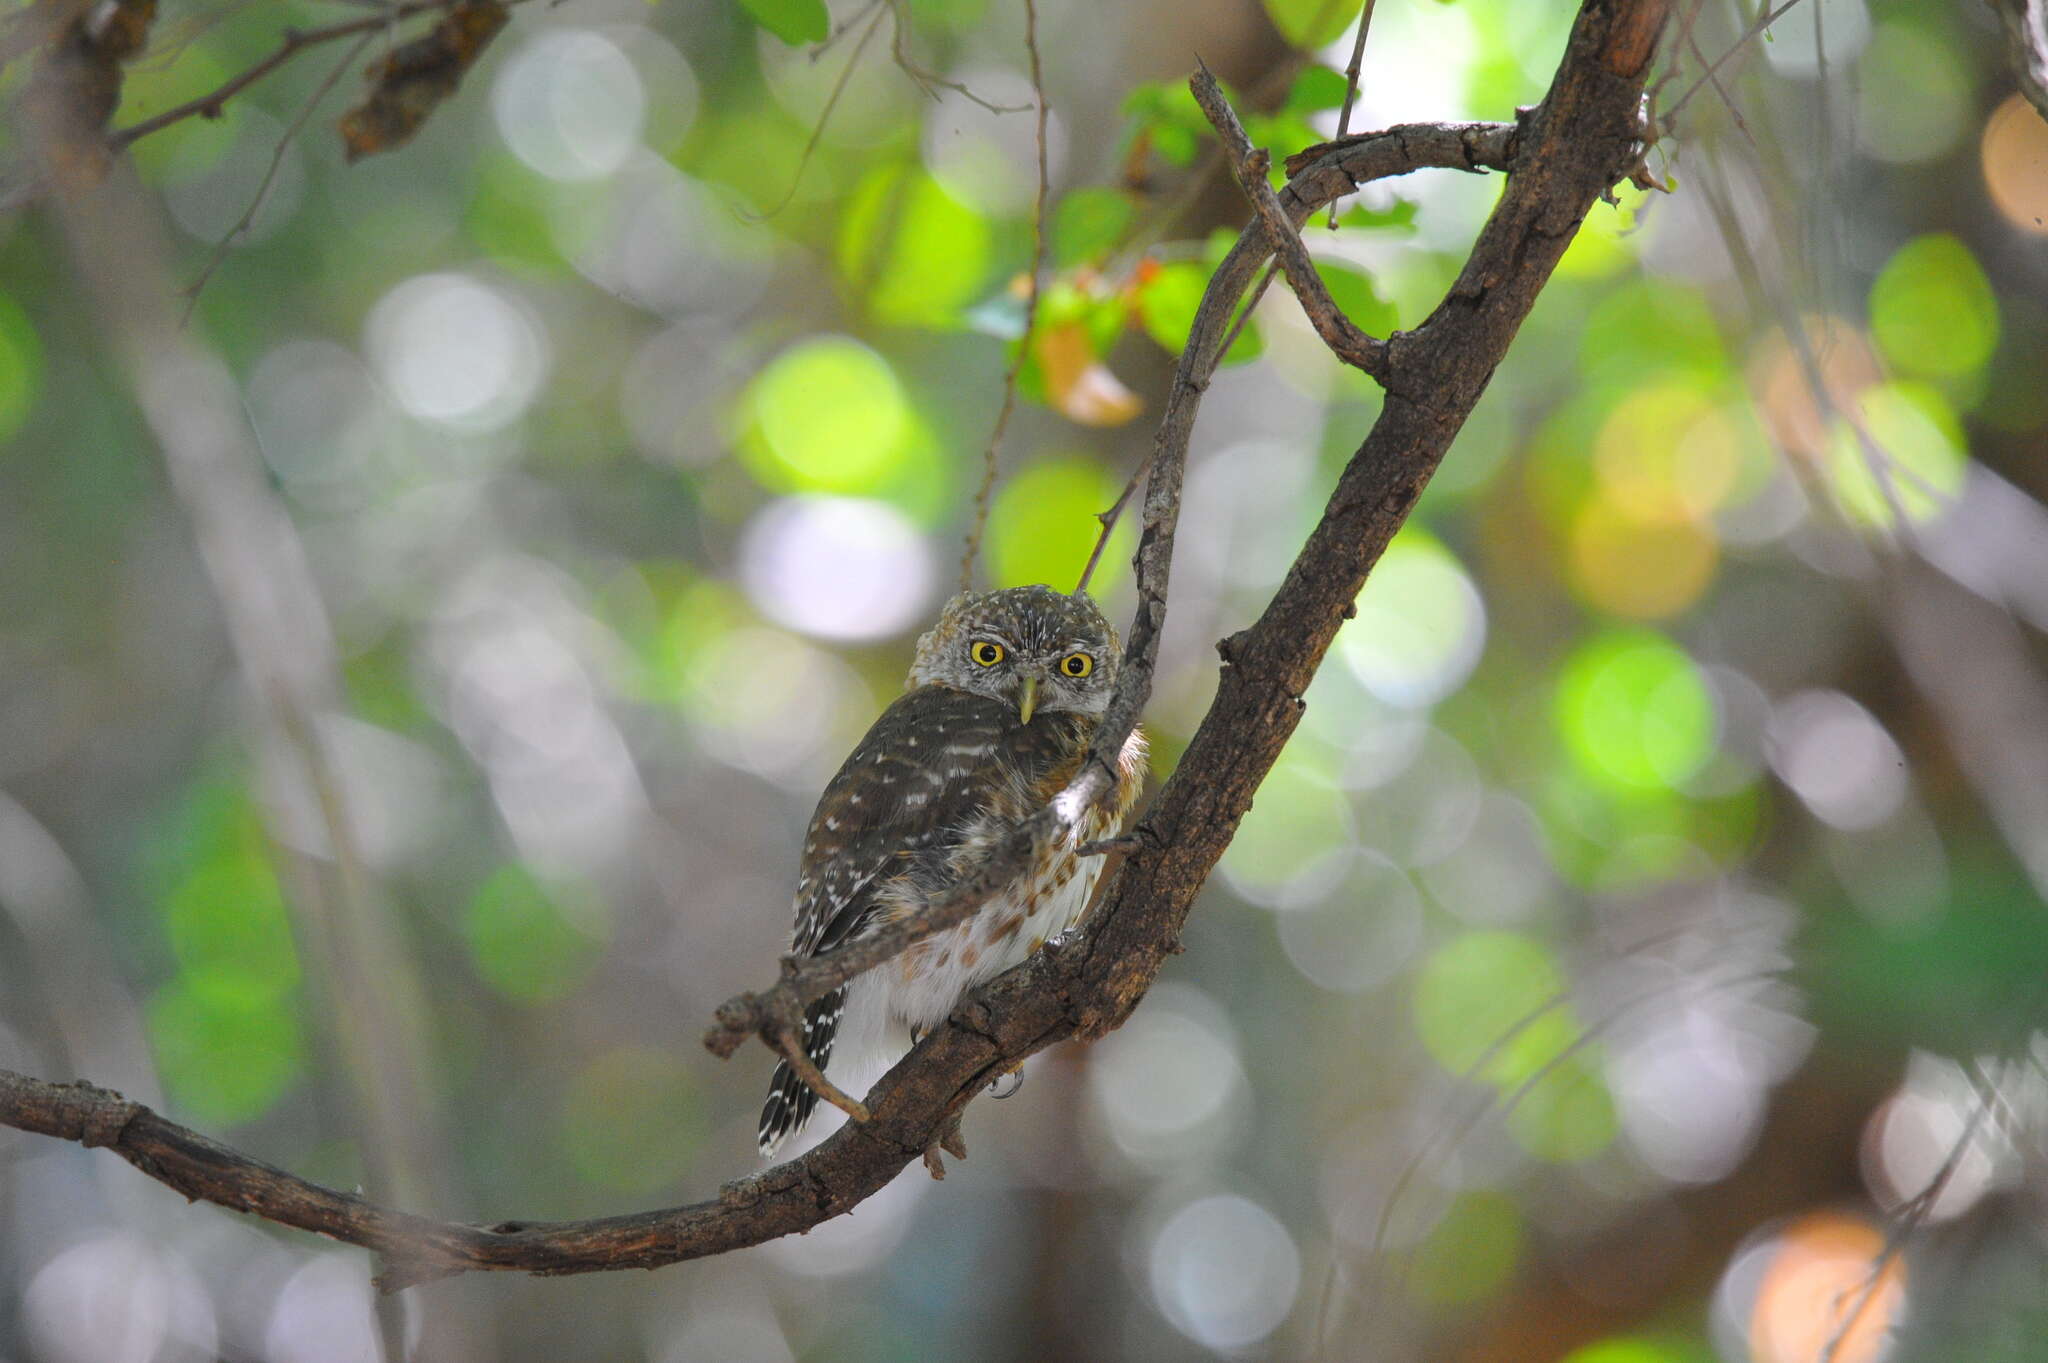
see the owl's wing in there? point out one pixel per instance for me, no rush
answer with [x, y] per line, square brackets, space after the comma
[935, 767]
[931, 764]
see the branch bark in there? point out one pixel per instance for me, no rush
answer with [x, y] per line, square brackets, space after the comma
[1562, 157]
[2026, 38]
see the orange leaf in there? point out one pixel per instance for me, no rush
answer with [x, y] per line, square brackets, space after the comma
[1077, 384]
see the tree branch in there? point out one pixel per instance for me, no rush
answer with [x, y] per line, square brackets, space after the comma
[1249, 164]
[295, 41]
[2026, 38]
[1566, 154]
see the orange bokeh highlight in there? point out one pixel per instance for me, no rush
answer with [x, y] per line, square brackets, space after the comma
[1637, 565]
[1824, 1287]
[2014, 153]
[1784, 397]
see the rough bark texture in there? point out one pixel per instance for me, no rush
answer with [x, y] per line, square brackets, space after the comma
[1562, 156]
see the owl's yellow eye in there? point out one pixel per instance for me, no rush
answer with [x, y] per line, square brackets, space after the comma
[985, 652]
[1077, 664]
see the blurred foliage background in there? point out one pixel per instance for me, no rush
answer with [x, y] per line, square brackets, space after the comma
[1637, 957]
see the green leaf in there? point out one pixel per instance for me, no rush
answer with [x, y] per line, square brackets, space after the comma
[1089, 224]
[1399, 217]
[1167, 307]
[794, 21]
[1166, 112]
[1312, 23]
[1315, 89]
[1352, 290]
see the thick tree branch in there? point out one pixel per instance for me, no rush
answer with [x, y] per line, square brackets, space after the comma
[1568, 152]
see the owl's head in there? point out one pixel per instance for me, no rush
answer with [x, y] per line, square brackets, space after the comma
[1031, 647]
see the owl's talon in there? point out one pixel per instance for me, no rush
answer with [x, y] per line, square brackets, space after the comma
[1016, 1078]
[951, 1142]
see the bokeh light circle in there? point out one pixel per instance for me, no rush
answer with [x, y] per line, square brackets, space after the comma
[456, 351]
[830, 417]
[1224, 1271]
[1635, 711]
[837, 567]
[1421, 624]
[570, 104]
[2014, 154]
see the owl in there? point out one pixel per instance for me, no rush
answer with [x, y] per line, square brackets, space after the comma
[1002, 700]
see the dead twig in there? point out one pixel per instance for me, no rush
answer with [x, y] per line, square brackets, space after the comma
[1351, 70]
[1250, 164]
[284, 142]
[978, 521]
[213, 102]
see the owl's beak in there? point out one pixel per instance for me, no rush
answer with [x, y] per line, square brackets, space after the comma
[1027, 700]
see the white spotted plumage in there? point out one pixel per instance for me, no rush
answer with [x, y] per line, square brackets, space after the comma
[881, 844]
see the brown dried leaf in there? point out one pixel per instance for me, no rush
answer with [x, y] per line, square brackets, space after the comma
[411, 82]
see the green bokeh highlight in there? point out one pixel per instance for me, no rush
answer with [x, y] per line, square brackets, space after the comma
[21, 366]
[1493, 1000]
[1470, 1253]
[793, 21]
[224, 1059]
[1630, 1349]
[830, 415]
[1634, 711]
[230, 933]
[1312, 23]
[1167, 305]
[1298, 816]
[1932, 311]
[631, 1120]
[1042, 526]
[1090, 223]
[1566, 1114]
[1913, 459]
[1417, 613]
[913, 252]
[532, 942]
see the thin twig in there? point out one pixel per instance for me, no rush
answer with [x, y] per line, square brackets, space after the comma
[979, 517]
[930, 81]
[803, 162]
[1109, 518]
[787, 1042]
[1251, 304]
[284, 141]
[1912, 1216]
[296, 40]
[1762, 21]
[1343, 336]
[1351, 70]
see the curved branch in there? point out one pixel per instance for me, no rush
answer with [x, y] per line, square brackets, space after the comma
[1571, 149]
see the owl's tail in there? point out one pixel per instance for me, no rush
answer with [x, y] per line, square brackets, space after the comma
[790, 1100]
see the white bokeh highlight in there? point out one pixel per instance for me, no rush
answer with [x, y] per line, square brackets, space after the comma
[570, 104]
[842, 568]
[455, 351]
[113, 1299]
[1163, 1085]
[1838, 759]
[1224, 1271]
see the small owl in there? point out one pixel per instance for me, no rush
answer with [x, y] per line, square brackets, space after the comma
[1002, 700]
